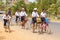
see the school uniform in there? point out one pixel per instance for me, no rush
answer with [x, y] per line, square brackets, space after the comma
[17, 16]
[34, 16]
[6, 19]
[43, 15]
[22, 15]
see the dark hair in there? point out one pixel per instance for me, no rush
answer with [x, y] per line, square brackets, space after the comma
[9, 9]
[43, 22]
[17, 9]
[43, 9]
[6, 14]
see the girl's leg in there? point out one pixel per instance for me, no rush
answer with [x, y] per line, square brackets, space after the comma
[9, 29]
[39, 27]
[4, 23]
[9, 26]
[16, 18]
[23, 25]
[10, 21]
[36, 26]
[24, 22]
[5, 26]
[33, 25]
[45, 29]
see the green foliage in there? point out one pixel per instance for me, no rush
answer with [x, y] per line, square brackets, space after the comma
[58, 3]
[1, 5]
[18, 6]
[31, 6]
[52, 6]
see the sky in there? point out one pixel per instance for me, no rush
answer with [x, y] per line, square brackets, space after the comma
[31, 0]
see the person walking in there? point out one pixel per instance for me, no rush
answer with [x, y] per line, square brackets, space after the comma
[6, 19]
[10, 14]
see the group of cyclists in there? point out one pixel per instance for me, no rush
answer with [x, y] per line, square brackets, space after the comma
[39, 22]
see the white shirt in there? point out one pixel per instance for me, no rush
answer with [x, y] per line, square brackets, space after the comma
[17, 13]
[23, 13]
[6, 17]
[43, 14]
[35, 14]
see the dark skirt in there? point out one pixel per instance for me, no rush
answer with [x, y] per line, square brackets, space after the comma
[17, 17]
[42, 19]
[5, 22]
[22, 18]
[34, 20]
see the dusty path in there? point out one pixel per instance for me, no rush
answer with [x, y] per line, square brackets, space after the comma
[23, 34]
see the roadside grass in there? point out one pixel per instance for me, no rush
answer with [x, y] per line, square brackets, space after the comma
[52, 19]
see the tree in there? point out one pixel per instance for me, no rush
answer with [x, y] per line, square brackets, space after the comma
[18, 5]
[1, 5]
